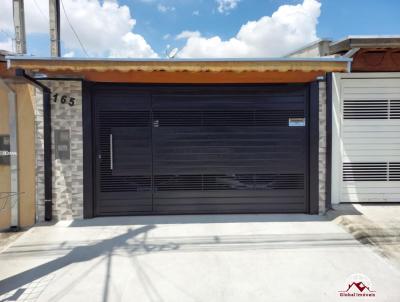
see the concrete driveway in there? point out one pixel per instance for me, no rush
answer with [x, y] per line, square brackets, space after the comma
[192, 258]
[376, 225]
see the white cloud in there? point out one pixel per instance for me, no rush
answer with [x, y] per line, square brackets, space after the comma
[69, 54]
[224, 6]
[290, 27]
[196, 13]
[166, 36]
[135, 46]
[187, 34]
[104, 27]
[6, 45]
[107, 29]
[165, 9]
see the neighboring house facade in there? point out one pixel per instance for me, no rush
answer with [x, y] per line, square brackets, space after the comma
[133, 137]
[365, 119]
[17, 150]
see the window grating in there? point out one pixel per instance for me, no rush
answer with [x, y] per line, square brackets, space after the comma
[229, 182]
[138, 183]
[226, 117]
[365, 109]
[395, 109]
[394, 171]
[371, 109]
[364, 171]
[253, 182]
[116, 118]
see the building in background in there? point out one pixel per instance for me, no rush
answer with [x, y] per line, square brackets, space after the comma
[365, 119]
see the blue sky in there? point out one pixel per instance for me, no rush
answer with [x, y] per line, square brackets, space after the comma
[339, 18]
[157, 24]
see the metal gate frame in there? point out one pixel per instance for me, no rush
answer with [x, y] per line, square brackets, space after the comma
[312, 175]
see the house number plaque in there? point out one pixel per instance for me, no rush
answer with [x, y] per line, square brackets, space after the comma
[64, 99]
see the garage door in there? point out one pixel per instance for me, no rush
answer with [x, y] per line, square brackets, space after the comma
[201, 150]
[371, 140]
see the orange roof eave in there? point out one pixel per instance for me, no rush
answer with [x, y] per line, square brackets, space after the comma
[183, 71]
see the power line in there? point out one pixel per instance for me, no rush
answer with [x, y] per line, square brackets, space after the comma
[40, 10]
[72, 28]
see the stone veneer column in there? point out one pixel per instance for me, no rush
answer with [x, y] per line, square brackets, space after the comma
[322, 146]
[39, 155]
[67, 174]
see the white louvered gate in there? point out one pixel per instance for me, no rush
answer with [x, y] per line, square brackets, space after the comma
[369, 136]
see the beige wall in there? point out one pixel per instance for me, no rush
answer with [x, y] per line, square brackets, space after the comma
[4, 170]
[26, 154]
[26, 147]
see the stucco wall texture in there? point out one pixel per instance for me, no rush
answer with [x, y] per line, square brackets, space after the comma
[25, 103]
[5, 212]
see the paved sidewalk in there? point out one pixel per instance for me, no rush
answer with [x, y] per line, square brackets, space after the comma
[376, 225]
[192, 258]
[7, 238]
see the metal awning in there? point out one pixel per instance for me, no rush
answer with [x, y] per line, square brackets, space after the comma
[378, 41]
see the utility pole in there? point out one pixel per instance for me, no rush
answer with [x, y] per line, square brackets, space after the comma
[19, 26]
[54, 10]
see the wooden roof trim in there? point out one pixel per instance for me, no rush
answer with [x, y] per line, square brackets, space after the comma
[193, 77]
[176, 66]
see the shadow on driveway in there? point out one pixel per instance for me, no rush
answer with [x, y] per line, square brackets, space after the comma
[78, 254]
[194, 219]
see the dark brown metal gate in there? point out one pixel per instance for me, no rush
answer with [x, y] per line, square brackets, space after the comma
[201, 150]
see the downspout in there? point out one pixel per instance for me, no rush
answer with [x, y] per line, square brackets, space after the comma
[14, 188]
[47, 144]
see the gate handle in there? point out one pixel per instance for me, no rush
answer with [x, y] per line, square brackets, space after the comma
[111, 152]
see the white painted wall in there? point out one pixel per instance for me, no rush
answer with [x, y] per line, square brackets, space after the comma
[370, 148]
